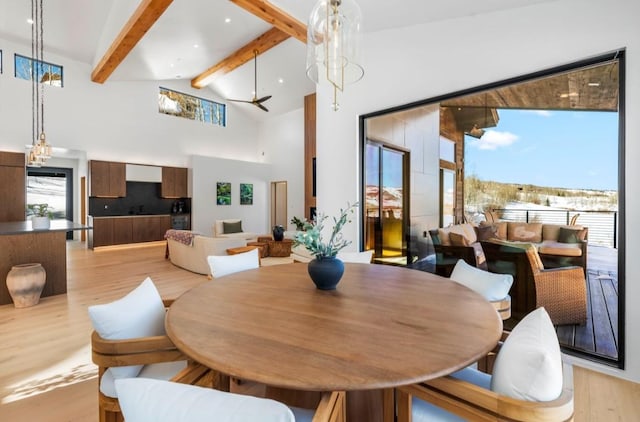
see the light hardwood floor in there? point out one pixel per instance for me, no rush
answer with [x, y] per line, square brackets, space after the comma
[46, 373]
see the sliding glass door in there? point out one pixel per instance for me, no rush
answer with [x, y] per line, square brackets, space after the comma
[387, 206]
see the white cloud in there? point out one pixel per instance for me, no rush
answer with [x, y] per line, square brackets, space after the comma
[543, 113]
[493, 139]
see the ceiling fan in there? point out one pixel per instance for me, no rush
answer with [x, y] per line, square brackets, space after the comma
[255, 101]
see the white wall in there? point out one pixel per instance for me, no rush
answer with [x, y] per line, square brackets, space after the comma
[282, 141]
[207, 171]
[116, 121]
[415, 63]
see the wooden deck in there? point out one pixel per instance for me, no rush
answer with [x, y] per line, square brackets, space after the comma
[599, 336]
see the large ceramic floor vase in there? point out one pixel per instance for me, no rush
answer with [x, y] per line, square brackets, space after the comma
[25, 283]
[326, 272]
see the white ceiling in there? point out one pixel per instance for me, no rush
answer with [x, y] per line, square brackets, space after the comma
[73, 28]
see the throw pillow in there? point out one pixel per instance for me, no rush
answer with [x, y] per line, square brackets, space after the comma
[489, 285]
[235, 227]
[139, 314]
[524, 232]
[566, 235]
[143, 400]
[529, 364]
[486, 232]
[458, 239]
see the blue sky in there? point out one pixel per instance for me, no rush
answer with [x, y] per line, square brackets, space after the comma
[548, 148]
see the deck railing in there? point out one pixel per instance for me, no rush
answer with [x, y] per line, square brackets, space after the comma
[603, 225]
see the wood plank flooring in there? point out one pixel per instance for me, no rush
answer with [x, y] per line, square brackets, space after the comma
[599, 335]
[46, 373]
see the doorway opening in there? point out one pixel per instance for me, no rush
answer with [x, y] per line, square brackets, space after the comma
[387, 202]
[279, 204]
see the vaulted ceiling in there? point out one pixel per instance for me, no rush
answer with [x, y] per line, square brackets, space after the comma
[190, 37]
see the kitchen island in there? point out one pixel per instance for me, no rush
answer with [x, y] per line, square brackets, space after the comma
[21, 244]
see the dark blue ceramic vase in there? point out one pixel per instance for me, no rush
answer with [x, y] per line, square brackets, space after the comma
[278, 233]
[326, 272]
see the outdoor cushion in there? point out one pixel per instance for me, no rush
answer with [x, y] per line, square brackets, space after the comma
[229, 264]
[571, 235]
[422, 411]
[458, 239]
[486, 232]
[552, 231]
[139, 314]
[356, 257]
[159, 371]
[491, 286]
[524, 232]
[144, 400]
[549, 247]
[465, 230]
[529, 364]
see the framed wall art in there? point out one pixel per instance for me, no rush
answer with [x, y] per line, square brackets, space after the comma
[223, 193]
[246, 194]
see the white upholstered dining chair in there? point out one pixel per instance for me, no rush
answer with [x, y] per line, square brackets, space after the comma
[528, 383]
[356, 257]
[144, 400]
[493, 287]
[228, 264]
[129, 341]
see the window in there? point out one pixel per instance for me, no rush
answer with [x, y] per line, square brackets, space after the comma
[184, 105]
[45, 72]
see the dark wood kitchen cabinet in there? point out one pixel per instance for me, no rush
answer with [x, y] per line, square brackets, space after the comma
[174, 182]
[149, 229]
[122, 230]
[12, 187]
[107, 179]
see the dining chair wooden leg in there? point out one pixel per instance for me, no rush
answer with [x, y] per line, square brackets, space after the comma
[403, 403]
[388, 405]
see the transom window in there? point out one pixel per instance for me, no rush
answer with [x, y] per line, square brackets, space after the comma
[184, 105]
[46, 73]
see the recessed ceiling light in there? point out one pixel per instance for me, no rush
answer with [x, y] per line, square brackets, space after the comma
[594, 84]
[171, 64]
[195, 45]
[280, 80]
[30, 21]
[227, 20]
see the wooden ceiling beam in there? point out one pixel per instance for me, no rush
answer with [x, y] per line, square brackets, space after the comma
[138, 24]
[264, 42]
[276, 17]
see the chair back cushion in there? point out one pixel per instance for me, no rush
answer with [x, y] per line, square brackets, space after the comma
[144, 400]
[489, 285]
[356, 257]
[529, 364]
[139, 314]
[229, 264]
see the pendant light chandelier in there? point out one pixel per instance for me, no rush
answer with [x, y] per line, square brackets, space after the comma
[333, 38]
[40, 149]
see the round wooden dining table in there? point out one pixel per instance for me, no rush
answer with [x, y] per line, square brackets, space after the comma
[384, 326]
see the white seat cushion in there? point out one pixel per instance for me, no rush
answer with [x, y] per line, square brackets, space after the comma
[159, 371]
[491, 286]
[145, 400]
[139, 314]
[229, 264]
[426, 412]
[356, 257]
[529, 364]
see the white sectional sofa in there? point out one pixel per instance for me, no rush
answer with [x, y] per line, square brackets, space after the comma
[194, 257]
[219, 230]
